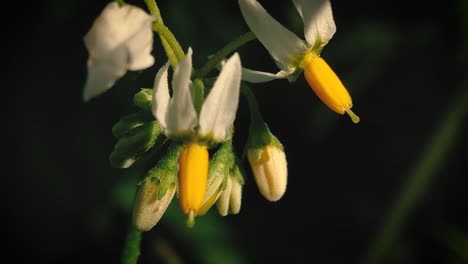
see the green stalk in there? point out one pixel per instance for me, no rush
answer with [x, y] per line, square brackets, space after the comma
[164, 31]
[419, 179]
[222, 53]
[120, 2]
[132, 247]
[154, 10]
[255, 116]
[171, 46]
[169, 52]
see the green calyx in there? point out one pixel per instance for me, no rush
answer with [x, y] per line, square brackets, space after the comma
[133, 143]
[164, 173]
[131, 121]
[221, 163]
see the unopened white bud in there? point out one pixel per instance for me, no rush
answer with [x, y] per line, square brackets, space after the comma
[231, 197]
[148, 209]
[270, 171]
[213, 191]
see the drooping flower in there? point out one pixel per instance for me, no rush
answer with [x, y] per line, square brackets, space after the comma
[120, 39]
[267, 161]
[294, 55]
[196, 130]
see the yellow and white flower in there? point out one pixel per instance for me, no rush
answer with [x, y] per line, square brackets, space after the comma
[120, 39]
[180, 121]
[294, 55]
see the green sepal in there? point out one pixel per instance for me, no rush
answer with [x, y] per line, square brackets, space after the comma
[131, 121]
[198, 94]
[237, 170]
[143, 98]
[134, 143]
[260, 137]
[222, 162]
[164, 173]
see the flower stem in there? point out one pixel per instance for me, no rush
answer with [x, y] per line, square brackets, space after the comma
[255, 116]
[171, 46]
[169, 52]
[222, 53]
[164, 31]
[131, 251]
[154, 10]
[419, 179]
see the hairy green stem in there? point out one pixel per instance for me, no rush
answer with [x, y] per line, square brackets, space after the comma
[171, 40]
[419, 179]
[255, 116]
[222, 53]
[169, 52]
[132, 247]
[154, 10]
[173, 50]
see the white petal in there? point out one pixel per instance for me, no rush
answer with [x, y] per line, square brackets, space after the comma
[281, 43]
[181, 116]
[119, 39]
[223, 201]
[236, 197]
[140, 47]
[319, 26]
[102, 74]
[219, 109]
[260, 77]
[161, 96]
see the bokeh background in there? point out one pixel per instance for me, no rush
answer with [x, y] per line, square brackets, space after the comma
[404, 63]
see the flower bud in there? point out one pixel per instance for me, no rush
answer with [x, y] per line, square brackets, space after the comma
[156, 191]
[269, 167]
[135, 142]
[131, 121]
[222, 165]
[267, 161]
[231, 197]
[143, 98]
[148, 208]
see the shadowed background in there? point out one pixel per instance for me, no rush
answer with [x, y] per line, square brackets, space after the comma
[404, 65]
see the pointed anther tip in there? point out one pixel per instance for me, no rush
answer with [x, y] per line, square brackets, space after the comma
[353, 116]
[191, 218]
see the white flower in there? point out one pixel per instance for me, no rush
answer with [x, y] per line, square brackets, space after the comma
[120, 39]
[284, 46]
[294, 55]
[180, 121]
[178, 116]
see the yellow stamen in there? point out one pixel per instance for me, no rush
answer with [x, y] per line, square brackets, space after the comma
[193, 175]
[353, 116]
[328, 87]
[191, 219]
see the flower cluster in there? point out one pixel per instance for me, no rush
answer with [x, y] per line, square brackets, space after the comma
[185, 125]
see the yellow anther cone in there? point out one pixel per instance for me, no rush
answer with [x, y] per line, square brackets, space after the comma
[328, 87]
[193, 176]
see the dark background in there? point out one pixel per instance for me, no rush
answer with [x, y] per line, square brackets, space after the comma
[404, 63]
